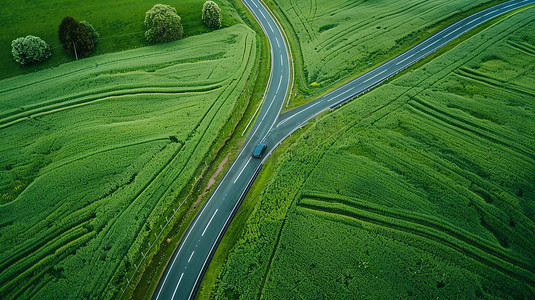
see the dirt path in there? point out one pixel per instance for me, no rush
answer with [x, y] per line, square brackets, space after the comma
[212, 179]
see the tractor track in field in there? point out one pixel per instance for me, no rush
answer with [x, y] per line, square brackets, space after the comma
[14, 118]
[211, 113]
[163, 172]
[425, 227]
[33, 261]
[20, 114]
[469, 127]
[54, 242]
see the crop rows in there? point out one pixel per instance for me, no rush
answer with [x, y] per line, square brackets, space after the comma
[102, 165]
[424, 226]
[54, 106]
[422, 187]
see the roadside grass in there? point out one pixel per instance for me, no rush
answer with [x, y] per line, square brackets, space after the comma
[422, 187]
[120, 24]
[100, 150]
[335, 41]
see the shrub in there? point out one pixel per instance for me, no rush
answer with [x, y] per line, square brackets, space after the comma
[30, 49]
[163, 24]
[211, 14]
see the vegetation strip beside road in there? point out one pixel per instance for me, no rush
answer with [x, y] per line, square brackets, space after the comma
[454, 142]
[234, 232]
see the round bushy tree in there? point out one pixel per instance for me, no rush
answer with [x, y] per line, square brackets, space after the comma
[94, 34]
[76, 38]
[163, 24]
[30, 49]
[211, 14]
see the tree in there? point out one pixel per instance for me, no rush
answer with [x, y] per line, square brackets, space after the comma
[211, 14]
[65, 28]
[30, 49]
[76, 38]
[91, 29]
[163, 24]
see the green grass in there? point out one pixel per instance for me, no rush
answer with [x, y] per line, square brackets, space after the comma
[335, 40]
[97, 152]
[423, 187]
[120, 24]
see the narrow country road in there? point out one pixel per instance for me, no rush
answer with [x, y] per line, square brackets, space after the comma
[185, 270]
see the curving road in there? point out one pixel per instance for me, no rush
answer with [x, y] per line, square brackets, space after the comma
[185, 270]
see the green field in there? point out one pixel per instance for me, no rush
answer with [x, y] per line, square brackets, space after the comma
[339, 38]
[423, 187]
[95, 153]
[119, 22]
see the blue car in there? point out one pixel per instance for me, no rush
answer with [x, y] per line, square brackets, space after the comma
[259, 150]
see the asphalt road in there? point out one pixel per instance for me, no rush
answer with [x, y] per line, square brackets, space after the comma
[184, 272]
